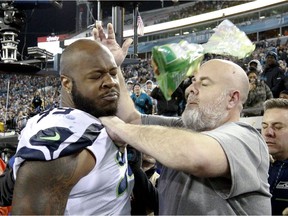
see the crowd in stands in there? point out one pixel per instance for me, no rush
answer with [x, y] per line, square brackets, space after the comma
[271, 77]
[177, 12]
[199, 7]
[22, 89]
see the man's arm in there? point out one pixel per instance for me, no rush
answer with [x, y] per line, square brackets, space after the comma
[43, 187]
[179, 149]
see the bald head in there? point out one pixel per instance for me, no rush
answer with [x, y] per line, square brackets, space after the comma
[231, 75]
[216, 95]
[79, 51]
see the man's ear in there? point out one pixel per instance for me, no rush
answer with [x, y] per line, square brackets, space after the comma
[234, 99]
[66, 83]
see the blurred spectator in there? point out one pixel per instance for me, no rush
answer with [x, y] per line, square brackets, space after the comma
[37, 102]
[142, 101]
[259, 92]
[255, 65]
[171, 107]
[283, 67]
[283, 54]
[149, 86]
[273, 75]
[284, 94]
[129, 85]
[275, 133]
[149, 166]
[21, 120]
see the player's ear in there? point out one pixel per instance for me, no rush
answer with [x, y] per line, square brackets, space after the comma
[66, 82]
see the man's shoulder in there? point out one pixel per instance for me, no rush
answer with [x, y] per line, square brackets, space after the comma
[242, 128]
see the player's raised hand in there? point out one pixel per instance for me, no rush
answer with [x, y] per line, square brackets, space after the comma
[110, 42]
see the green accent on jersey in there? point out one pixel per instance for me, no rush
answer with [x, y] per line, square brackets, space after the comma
[51, 138]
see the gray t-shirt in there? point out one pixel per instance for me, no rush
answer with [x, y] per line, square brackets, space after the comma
[246, 193]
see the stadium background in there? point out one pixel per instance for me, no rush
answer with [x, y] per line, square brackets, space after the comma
[73, 20]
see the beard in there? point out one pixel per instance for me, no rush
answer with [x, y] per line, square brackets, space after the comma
[88, 105]
[204, 118]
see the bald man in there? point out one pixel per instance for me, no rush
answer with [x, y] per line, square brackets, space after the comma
[65, 161]
[216, 165]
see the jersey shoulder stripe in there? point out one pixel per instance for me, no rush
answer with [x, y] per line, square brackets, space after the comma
[59, 133]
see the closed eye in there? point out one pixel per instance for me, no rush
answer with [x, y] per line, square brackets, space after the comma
[204, 83]
[95, 76]
[264, 126]
[278, 127]
[113, 73]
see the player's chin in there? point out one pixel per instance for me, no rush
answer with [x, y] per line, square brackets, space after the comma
[110, 111]
[111, 104]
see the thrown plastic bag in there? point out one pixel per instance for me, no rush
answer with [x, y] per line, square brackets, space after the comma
[173, 62]
[229, 40]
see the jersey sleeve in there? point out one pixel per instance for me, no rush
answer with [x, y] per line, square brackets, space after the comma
[56, 133]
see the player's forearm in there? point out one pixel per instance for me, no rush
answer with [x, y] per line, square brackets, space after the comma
[126, 109]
